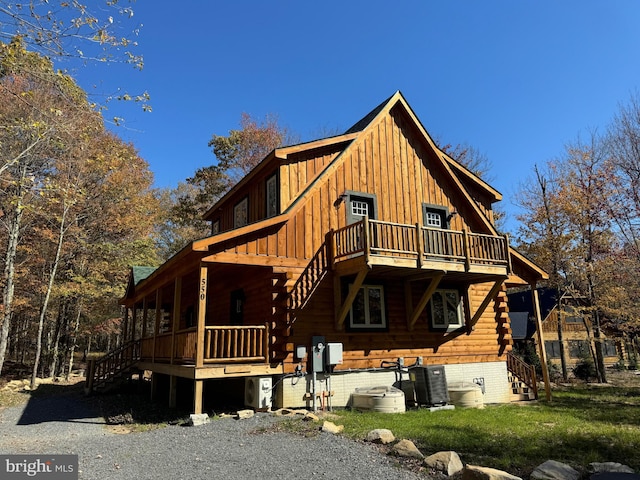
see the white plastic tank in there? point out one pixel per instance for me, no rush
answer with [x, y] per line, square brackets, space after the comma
[466, 394]
[379, 399]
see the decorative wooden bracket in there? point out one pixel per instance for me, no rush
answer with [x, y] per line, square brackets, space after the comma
[351, 296]
[485, 303]
[414, 314]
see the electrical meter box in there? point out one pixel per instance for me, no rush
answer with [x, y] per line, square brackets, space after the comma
[333, 353]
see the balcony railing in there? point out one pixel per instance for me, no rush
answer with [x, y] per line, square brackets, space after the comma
[373, 238]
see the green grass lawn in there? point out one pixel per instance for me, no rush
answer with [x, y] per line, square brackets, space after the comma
[581, 425]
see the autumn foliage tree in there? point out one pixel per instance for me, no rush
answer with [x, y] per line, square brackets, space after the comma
[236, 155]
[581, 223]
[79, 209]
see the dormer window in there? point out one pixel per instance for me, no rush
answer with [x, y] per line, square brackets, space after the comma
[272, 195]
[241, 213]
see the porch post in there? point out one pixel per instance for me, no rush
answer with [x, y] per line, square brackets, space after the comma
[125, 325]
[202, 315]
[173, 391]
[197, 396]
[157, 320]
[134, 315]
[145, 310]
[175, 319]
[540, 335]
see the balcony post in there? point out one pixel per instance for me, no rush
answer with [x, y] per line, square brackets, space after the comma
[331, 249]
[467, 253]
[145, 313]
[202, 313]
[366, 239]
[508, 253]
[419, 247]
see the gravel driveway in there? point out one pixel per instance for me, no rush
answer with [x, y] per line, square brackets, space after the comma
[227, 449]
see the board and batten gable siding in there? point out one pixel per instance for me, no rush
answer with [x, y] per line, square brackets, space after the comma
[389, 160]
[301, 169]
[293, 175]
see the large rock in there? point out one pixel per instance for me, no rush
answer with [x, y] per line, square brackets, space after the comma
[448, 463]
[597, 467]
[406, 448]
[474, 472]
[331, 427]
[552, 470]
[380, 435]
[197, 419]
[243, 414]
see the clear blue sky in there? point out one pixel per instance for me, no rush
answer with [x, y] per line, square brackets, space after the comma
[515, 79]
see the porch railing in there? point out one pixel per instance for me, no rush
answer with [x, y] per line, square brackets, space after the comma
[386, 239]
[230, 344]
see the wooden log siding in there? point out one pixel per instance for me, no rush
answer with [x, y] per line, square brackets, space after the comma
[228, 344]
[399, 240]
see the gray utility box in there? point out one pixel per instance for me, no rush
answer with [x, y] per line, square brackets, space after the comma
[430, 384]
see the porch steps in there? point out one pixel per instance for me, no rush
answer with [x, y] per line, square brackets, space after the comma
[104, 372]
[522, 379]
[520, 391]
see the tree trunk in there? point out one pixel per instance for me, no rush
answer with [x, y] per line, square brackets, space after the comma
[9, 269]
[74, 341]
[563, 352]
[45, 303]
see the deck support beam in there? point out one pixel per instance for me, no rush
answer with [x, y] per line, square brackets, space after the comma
[414, 314]
[351, 296]
[541, 347]
[173, 391]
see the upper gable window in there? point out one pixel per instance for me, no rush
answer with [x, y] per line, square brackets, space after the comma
[435, 216]
[241, 213]
[215, 227]
[272, 195]
[360, 205]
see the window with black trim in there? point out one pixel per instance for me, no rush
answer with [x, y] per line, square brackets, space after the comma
[446, 310]
[215, 227]
[360, 205]
[241, 213]
[435, 216]
[552, 348]
[609, 348]
[368, 310]
[272, 195]
[579, 348]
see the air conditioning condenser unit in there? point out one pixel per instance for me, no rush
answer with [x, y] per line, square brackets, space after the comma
[257, 392]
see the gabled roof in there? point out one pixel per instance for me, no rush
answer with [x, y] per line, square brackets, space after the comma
[343, 144]
[136, 275]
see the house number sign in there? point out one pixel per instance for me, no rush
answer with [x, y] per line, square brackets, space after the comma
[203, 288]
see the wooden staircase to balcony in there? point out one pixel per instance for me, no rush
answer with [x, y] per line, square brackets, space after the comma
[522, 378]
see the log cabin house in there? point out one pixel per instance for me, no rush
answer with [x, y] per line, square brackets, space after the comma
[374, 244]
[576, 328]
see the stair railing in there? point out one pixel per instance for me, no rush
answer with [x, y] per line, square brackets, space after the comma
[101, 370]
[526, 373]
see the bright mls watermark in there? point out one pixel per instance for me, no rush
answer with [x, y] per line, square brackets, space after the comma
[51, 467]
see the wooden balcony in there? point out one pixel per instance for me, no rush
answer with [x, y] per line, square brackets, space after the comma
[415, 246]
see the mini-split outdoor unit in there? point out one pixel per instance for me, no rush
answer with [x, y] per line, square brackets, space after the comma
[257, 392]
[430, 384]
